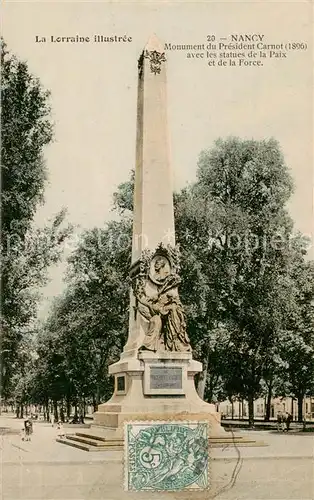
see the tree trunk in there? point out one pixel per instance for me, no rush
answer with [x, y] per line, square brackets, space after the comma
[95, 404]
[55, 410]
[300, 407]
[62, 412]
[268, 403]
[81, 410]
[304, 413]
[251, 410]
[201, 383]
[21, 411]
[292, 407]
[68, 408]
[232, 410]
[97, 395]
[75, 412]
[47, 410]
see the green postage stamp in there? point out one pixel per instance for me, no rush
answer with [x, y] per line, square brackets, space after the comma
[166, 455]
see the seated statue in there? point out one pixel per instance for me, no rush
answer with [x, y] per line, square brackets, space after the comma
[167, 326]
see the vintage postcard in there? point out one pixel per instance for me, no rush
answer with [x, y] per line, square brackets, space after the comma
[157, 253]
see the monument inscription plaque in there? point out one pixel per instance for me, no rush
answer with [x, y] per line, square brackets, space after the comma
[162, 377]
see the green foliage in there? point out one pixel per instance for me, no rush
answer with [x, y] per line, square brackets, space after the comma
[25, 130]
[87, 326]
[248, 174]
[26, 253]
[296, 343]
[298, 358]
[98, 276]
[123, 198]
[240, 266]
[235, 237]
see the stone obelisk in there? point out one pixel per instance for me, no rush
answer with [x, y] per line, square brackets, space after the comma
[153, 216]
[154, 378]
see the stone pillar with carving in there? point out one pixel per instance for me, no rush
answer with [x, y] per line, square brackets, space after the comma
[153, 218]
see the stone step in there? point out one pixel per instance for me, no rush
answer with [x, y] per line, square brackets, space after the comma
[225, 438]
[94, 442]
[88, 447]
[97, 437]
[90, 441]
[215, 439]
[74, 444]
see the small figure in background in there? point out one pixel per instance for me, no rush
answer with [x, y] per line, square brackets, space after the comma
[22, 434]
[28, 426]
[288, 421]
[280, 421]
[60, 430]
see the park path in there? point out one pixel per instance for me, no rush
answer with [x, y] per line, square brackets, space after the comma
[46, 470]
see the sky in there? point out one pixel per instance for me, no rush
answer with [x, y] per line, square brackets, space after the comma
[94, 90]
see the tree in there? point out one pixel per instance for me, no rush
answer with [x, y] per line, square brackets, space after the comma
[234, 233]
[26, 252]
[87, 326]
[23, 376]
[25, 130]
[219, 341]
[296, 343]
[298, 357]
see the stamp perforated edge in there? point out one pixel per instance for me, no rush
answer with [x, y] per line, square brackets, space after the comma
[160, 422]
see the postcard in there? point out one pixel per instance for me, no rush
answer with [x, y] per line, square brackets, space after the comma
[157, 246]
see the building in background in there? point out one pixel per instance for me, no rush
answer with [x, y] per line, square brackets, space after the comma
[240, 410]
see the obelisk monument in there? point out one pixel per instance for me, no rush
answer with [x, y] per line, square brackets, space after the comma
[154, 378]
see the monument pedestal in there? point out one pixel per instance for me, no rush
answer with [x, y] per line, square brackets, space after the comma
[156, 386]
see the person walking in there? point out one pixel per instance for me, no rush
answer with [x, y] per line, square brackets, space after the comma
[280, 421]
[28, 426]
[22, 434]
[60, 430]
[288, 421]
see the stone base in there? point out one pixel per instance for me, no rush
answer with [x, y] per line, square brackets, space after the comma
[134, 400]
[116, 419]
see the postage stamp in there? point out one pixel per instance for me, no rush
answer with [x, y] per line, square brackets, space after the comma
[166, 455]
